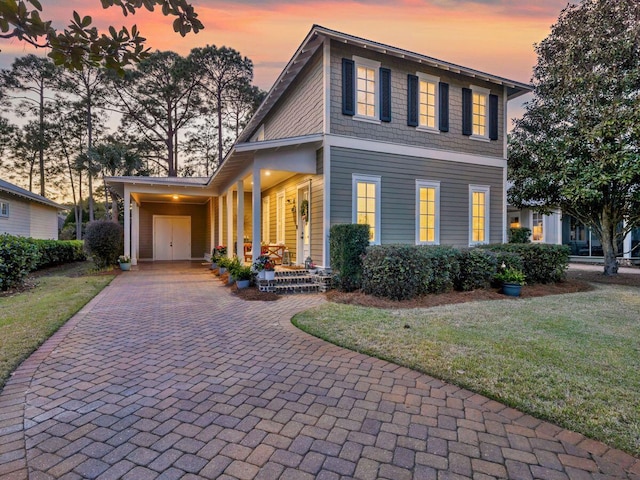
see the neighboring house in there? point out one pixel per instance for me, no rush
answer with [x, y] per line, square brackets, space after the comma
[27, 214]
[352, 131]
[563, 229]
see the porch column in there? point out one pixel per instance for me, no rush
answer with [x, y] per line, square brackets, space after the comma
[135, 233]
[220, 240]
[127, 221]
[240, 221]
[230, 223]
[626, 244]
[256, 203]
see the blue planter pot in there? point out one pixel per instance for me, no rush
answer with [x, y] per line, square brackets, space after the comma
[243, 283]
[511, 289]
[125, 266]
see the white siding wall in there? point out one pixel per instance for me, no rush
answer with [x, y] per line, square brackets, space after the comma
[27, 219]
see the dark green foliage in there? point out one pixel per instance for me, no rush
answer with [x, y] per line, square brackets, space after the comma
[398, 272]
[520, 235]
[18, 257]
[103, 240]
[445, 263]
[477, 269]
[541, 263]
[509, 260]
[58, 252]
[348, 243]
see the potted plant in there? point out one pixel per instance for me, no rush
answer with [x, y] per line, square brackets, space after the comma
[234, 266]
[217, 253]
[125, 262]
[258, 266]
[243, 276]
[512, 280]
[269, 270]
[223, 265]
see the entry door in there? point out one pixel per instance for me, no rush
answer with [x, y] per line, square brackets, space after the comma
[171, 237]
[304, 225]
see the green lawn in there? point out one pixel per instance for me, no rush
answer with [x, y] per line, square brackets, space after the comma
[572, 359]
[28, 318]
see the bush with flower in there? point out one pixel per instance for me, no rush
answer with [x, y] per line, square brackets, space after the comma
[218, 252]
[259, 264]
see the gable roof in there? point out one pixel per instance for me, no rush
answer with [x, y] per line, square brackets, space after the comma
[26, 194]
[315, 39]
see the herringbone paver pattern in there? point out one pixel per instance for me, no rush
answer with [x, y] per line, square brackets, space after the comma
[166, 375]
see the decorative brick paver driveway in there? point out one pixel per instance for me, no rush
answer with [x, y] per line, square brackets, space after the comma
[167, 375]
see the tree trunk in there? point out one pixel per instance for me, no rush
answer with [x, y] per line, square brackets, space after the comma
[79, 214]
[219, 106]
[41, 139]
[89, 147]
[609, 247]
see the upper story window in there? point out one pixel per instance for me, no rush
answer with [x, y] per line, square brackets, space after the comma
[427, 212]
[537, 227]
[366, 90]
[479, 113]
[366, 204]
[4, 208]
[478, 214]
[428, 101]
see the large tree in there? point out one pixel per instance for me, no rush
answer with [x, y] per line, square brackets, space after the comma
[33, 77]
[81, 43]
[577, 146]
[160, 97]
[225, 73]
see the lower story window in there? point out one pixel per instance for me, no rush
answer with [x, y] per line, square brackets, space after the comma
[537, 227]
[478, 214]
[427, 212]
[366, 204]
[4, 209]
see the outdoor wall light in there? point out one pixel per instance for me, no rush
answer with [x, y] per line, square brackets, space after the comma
[175, 196]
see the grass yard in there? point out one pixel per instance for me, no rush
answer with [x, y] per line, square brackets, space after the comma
[29, 317]
[573, 359]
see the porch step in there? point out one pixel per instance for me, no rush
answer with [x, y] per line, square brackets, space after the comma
[296, 281]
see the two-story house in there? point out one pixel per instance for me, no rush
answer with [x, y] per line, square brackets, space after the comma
[352, 131]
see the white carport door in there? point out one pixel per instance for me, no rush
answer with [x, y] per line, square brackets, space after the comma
[171, 237]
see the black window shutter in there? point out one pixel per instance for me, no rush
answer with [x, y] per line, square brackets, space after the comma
[467, 111]
[412, 100]
[348, 87]
[443, 89]
[385, 94]
[493, 117]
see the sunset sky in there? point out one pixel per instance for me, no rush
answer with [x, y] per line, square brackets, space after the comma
[494, 36]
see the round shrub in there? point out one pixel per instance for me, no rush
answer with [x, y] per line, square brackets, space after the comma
[444, 262]
[103, 240]
[348, 243]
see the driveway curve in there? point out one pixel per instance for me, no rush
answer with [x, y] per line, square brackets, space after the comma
[166, 375]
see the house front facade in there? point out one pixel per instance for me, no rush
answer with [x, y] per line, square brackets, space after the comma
[353, 131]
[26, 214]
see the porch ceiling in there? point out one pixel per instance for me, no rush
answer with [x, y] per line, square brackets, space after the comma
[168, 198]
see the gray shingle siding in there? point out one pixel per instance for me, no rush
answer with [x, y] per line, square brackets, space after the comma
[299, 111]
[398, 175]
[397, 131]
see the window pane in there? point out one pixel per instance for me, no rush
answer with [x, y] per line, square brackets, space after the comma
[427, 103]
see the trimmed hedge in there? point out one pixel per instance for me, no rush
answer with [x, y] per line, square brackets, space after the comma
[477, 269]
[541, 263]
[103, 240]
[401, 272]
[398, 272]
[58, 252]
[18, 257]
[520, 235]
[348, 243]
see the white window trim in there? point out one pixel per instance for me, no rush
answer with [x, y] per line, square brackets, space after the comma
[436, 80]
[365, 62]
[6, 205]
[486, 92]
[281, 209]
[531, 213]
[377, 180]
[435, 185]
[487, 214]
